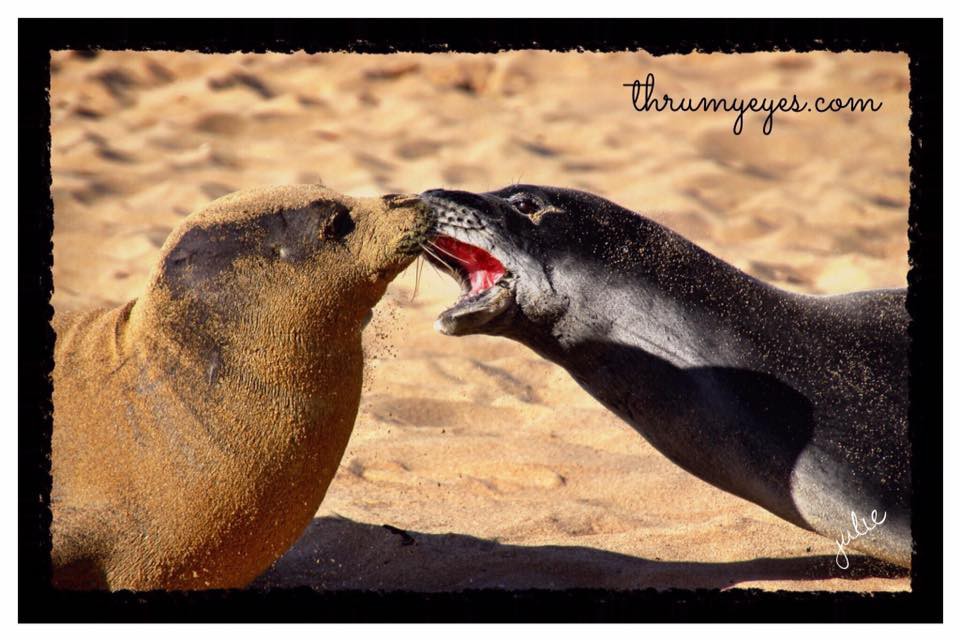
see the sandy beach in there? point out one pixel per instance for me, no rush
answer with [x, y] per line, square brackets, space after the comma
[489, 465]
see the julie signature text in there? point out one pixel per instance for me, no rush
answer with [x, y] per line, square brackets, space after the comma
[846, 537]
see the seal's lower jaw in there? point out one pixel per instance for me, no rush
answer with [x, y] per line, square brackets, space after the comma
[474, 314]
[487, 288]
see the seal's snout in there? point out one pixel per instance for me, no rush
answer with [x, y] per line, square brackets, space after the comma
[464, 199]
[398, 200]
[466, 246]
[392, 229]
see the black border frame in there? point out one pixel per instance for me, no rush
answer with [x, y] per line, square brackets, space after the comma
[921, 39]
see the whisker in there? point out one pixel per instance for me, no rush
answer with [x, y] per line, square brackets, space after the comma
[441, 261]
[438, 258]
[431, 265]
[435, 270]
[416, 283]
[439, 248]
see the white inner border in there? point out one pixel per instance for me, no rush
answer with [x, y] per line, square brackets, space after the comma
[488, 8]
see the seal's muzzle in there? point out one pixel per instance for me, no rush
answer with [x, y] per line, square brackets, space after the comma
[464, 248]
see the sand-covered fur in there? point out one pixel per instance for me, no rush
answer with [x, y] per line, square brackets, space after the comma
[196, 428]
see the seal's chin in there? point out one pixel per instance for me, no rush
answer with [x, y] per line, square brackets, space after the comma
[485, 284]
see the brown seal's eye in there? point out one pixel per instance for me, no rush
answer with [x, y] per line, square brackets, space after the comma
[338, 225]
[526, 206]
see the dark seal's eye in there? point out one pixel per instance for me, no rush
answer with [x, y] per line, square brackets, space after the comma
[526, 205]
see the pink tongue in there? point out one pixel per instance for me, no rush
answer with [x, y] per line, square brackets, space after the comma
[482, 280]
[483, 268]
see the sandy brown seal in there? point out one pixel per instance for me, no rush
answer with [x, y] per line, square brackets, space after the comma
[797, 403]
[196, 428]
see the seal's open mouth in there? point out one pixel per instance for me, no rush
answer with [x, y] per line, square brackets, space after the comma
[478, 270]
[485, 285]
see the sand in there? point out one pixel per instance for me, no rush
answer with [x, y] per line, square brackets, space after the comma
[497, 467]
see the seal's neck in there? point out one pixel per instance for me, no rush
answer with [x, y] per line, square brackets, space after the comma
[671, 299]
[278, 345]
[674, 343]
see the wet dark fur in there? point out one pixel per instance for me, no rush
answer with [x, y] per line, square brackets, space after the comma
[797, 403]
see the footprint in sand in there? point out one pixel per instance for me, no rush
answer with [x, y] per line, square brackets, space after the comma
[156, 234]
[119, 83]
[214, 190]
[765, 158]
[418, 148]
[499, 477]
[219, 123]
[510, 477]
[577, 524]
[390, 471]
[460, 174]
[506, 382]
[423, 412]
[240, 79]
[534, 147]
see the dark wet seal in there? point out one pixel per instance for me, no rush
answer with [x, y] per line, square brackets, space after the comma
[797, 403]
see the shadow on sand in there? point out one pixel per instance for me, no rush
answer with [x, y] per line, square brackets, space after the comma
[337, 553]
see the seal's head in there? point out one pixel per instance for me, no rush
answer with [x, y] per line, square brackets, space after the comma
[511, 249]
[286, 258]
